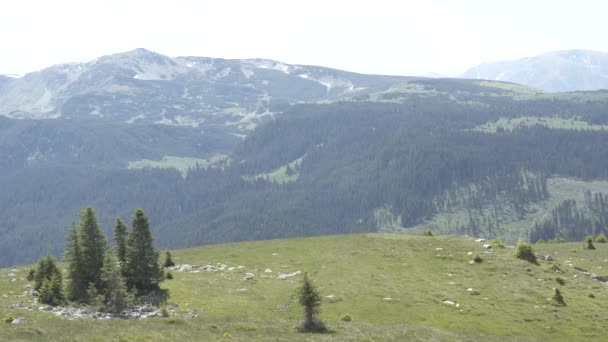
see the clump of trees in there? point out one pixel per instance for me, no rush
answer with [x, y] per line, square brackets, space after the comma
[310, 299]
[109, 278]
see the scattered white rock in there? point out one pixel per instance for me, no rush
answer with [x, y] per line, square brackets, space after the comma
[18, 320]
[480, 240]
[487, 246]
[387, 299]
[469, 253]
[249, 276]
[268, 270]
[438, 249]
[470, 289]
[449, 302]
[275, 254]
[240, 267]
[241, 290]
[288, 275]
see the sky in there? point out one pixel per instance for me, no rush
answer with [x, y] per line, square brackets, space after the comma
[376, 37]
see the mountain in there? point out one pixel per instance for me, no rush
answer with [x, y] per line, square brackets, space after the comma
[568, 70]
[456, 156]
[142, 86]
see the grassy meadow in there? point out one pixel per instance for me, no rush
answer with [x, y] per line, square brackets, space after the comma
[392, 285]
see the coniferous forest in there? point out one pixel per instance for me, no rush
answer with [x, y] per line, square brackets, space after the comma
[416, 155]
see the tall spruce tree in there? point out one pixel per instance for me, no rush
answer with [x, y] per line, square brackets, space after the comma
[142, 269]
[77, 284]
[120, 237]
[93, 244]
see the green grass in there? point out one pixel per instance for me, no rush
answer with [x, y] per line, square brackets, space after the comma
[509, 301]
[509, 124]
[182, 164]
[511, 87]
[279, 175]
[512, 226]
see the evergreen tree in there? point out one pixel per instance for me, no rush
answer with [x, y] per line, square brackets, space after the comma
[142, 269]
[310, 299]
[120, 237]
[168, 261]
[115, 289]
[77, 284]
[93, 245]
[45, 270]
[51, 292]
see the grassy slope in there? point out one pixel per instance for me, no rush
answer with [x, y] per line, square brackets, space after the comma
[182, 164]
[513, 226]
[360, 270]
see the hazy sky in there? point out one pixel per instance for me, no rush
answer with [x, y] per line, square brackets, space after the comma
[376, 36]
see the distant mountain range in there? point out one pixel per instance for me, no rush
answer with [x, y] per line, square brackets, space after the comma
[568, 70]
[142, 86]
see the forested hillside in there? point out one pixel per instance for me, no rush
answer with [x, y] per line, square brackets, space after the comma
[417, 156]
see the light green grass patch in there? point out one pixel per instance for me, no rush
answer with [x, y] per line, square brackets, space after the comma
[512, 226]
[508, 124]
[182, 164]
[511, 87]
[280, 175]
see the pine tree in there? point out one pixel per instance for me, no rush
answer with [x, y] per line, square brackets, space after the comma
[120, 236]
[115, 290]
[45, 270]
[51, 292]
[93, 245]
[142, 269]
[77, 284]
[310, 299]
[168, 261]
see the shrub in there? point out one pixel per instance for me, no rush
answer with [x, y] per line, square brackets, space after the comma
[524, 251]
[7, 319]
[164, 312]
[560, 280]
[541, 241]
[346, 318]
[589, 242]
[496, 243]
[227, 337]
[591, 295]
[31, 274]
[427, 232]
[601, 238]
[169, 276]
[558, 298]
[477, 259]
[168, 262]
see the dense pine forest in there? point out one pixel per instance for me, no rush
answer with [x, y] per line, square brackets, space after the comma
[393, 159]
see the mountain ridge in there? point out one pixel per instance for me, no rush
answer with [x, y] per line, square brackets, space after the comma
[556, 71]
